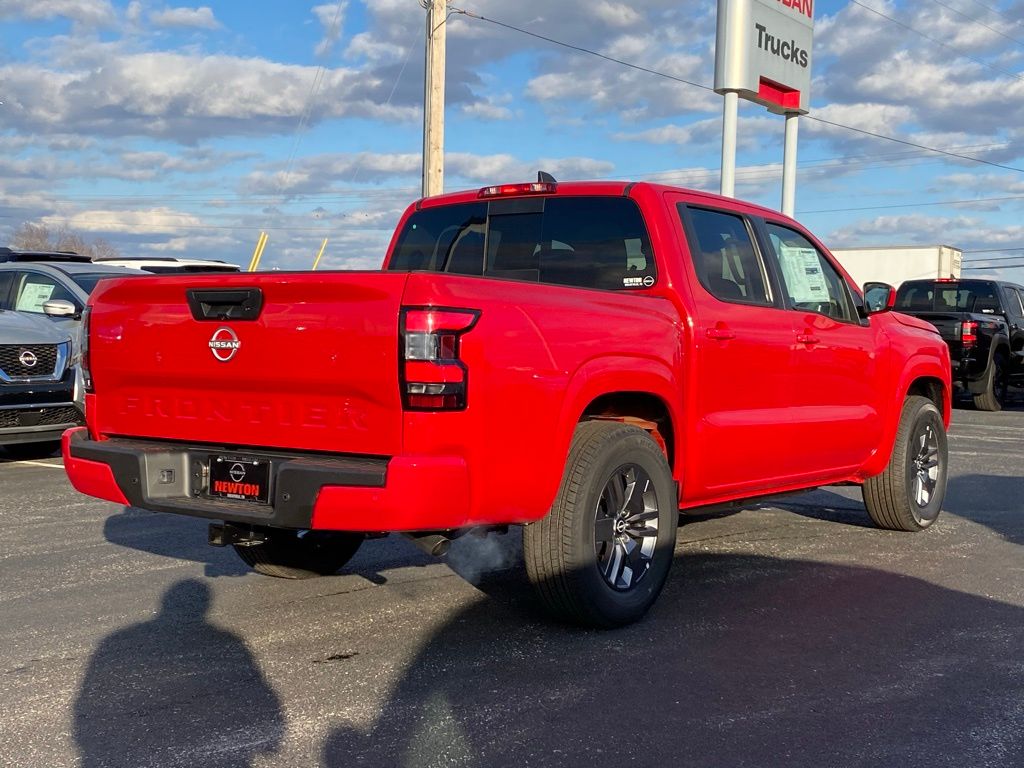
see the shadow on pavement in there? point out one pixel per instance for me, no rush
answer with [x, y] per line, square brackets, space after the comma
[744, 660]
[179, 537]
[29, 451]
[995, 501]
[198, 698]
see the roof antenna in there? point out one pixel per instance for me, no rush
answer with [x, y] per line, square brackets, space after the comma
[545, 178]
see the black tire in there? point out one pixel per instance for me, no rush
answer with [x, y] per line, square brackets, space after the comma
[300, 555]
[575, 553]
[996, 384]
[908, 494]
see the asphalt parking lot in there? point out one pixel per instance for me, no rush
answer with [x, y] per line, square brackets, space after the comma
[792, 635]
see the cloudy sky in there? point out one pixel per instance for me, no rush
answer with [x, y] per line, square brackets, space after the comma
[185, 130]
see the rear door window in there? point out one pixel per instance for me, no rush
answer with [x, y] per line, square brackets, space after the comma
[724, 257]
[588, 242]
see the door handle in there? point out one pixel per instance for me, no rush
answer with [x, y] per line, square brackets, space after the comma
[720, 333]
[806, 338]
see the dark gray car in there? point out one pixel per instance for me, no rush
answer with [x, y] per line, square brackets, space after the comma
[37, 380]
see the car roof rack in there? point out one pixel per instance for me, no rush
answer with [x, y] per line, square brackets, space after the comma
[169, 259]
[9, 254]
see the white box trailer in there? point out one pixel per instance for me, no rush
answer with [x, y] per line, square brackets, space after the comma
[894, 264]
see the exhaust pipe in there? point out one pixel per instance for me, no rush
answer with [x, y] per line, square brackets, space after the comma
[434, 544]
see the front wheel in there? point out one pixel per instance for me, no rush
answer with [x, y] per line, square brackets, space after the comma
[908, 495]
[602, 554]
[300, 554]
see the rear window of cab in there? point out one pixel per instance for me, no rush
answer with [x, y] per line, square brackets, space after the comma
[588, 242]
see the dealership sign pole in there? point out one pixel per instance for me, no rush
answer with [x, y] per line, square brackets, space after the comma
[763, 54]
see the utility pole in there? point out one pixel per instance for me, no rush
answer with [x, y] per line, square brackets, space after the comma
[433, 98]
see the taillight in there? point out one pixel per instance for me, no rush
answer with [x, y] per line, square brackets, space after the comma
[434, 378]
[83, 348]
[969, 333]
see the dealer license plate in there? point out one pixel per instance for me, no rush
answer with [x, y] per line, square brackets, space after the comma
[239, 477]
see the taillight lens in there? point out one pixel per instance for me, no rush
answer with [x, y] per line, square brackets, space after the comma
[434, 378]
[969, 333]
[83, 347]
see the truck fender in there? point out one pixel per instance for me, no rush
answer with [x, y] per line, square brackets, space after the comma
[921, 365]
[611, 375]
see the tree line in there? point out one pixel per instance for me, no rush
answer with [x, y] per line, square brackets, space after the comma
[39, 237]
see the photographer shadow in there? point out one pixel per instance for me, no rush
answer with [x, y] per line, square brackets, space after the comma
[165, 711]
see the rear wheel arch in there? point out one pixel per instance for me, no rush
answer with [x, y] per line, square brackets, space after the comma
[644, 409]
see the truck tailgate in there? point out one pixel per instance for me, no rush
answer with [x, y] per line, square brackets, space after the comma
[316, 369]
[947, 323]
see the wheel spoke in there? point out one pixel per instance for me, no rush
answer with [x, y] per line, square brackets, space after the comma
[604, 529]
[637, 489]
[641, 533]
[613, 567]
[638, 563]
[614, 493]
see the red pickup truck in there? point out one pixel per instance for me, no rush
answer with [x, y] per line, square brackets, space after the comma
[582, 359]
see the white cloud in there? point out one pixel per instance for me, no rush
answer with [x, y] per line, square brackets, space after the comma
[152, 221]
[324, 173]
[186, 97]
[332, 18]
[86, 12]
[198, 18]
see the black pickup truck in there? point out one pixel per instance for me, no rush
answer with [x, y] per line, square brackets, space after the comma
[982, 321]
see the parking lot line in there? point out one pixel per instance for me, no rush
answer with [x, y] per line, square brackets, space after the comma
[40, 464]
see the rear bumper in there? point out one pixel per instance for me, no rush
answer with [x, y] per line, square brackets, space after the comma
[307, 491]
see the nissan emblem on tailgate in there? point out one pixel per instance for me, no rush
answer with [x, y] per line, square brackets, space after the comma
[224, 344]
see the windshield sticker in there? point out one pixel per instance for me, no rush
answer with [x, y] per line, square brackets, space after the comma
[33, 296]
[802, 271]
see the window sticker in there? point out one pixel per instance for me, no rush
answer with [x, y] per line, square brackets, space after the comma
[804, 277]
[33, 296]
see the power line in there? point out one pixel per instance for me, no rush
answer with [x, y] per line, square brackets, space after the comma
[978, 21]
[993, 250]
[918, 205]
[999, 258]
[997, 266]
[996, 11]
[935, 40]
[674, 78]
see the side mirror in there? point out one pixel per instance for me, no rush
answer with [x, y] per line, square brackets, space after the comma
[60, 308]
[879, 297]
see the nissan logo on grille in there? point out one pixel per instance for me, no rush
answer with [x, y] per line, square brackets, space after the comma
[224, 344]
[28, 358]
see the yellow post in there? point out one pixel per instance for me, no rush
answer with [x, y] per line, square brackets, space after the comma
[259, 252]
[316, 263]
[260, 242]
